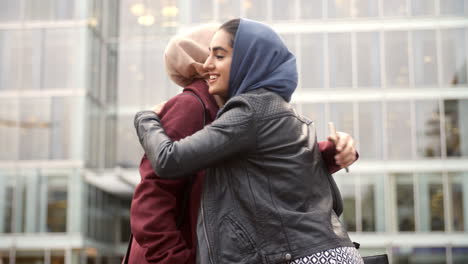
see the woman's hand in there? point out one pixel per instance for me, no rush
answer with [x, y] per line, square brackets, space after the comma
[158, 108]
[345, 148]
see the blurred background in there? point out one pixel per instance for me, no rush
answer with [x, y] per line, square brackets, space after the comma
[393, 73]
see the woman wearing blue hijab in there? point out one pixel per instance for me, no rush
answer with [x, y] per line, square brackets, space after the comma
[268, 197]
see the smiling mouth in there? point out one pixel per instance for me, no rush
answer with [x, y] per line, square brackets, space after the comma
[212, 78]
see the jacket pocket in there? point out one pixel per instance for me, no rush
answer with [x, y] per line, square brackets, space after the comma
[234, 237]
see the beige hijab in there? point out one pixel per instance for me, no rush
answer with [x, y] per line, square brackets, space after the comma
[186, 53]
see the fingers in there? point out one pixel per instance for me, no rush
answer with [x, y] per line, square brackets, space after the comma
[346, 150]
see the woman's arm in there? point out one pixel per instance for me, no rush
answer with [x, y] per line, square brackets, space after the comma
[155, 210]
[231, 134]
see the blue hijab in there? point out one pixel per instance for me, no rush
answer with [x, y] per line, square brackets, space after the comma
[261, 60]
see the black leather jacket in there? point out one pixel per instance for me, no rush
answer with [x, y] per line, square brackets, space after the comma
[268, 197]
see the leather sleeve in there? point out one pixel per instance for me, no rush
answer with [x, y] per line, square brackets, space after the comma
[232, 133]
[154, 207]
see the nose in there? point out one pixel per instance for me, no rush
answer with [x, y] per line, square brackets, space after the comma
[208, 65]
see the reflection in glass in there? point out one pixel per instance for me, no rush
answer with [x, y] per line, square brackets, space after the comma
[341, 114]
[429, 255]
[202, 11]
[228, 10]
[283, 10]
[60, 130]
[316, 113]
[422, 7]
[395, 8]
[372, 203]
[456, 127]
[459, 191]
[339, 53]
[396, 58]
[399, 130]
[428, 129]
[35, 128]
[404, 202]
[347, 186]
[370, 143]
[63, 72]
[312, 61]
[29, 257]
[7, 192]
[364, 8]
[9, 11]
[339, 9]
[453, 7]
[8, 129]
[460, 255]
[30, 62]
[425, 58]
[311, 9]
[368, 59]
[255, 9]
[453, 57]
[431, 195]
[129, 149]
[57, 203]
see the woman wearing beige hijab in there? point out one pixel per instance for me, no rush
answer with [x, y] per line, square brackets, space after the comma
[164, 212]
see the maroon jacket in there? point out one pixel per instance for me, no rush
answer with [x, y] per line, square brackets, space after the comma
[157, 202]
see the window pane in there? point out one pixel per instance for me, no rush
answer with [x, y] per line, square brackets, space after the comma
[341, 114]
[57, 203]
[428, 129]
[7, 193]
[399, 130]
[365, 8]
[339, 53]
[453, 57]
[370, 143]
[129, 149]
[283, 10]
[425, 58]
[431, 195]
[61, 131]
[339, 8]
[458, 201]
[368, 59]
[394, 8]
[10, 10]
[290, 41]
[316, 113]
[396, 58]
[372, 203]
[202, 11]
[228, 10]
[63, 9]
[311, 9]
[8, 129]
[312, 69]
[63, 72]
[459, 255]
[29, 257]
[423, 7]
[38, 10]
[404, 201]
[31, 59]
[346, 184]
[453, 7]
[256, 10]
[419, 255]
[456, 127]
[35, 128]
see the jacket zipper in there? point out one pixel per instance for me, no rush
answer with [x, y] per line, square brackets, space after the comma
[206, 233]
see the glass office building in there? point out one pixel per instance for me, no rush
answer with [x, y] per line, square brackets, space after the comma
[393, 73]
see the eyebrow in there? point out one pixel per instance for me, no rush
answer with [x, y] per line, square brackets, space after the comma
[218, 48]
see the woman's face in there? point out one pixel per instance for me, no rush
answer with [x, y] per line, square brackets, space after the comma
[218, 64]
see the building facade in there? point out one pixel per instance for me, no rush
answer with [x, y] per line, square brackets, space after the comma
[73, 73]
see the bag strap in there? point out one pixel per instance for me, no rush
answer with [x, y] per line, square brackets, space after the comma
[181, 216]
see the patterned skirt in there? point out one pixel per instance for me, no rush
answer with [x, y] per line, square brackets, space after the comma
[340, 255]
